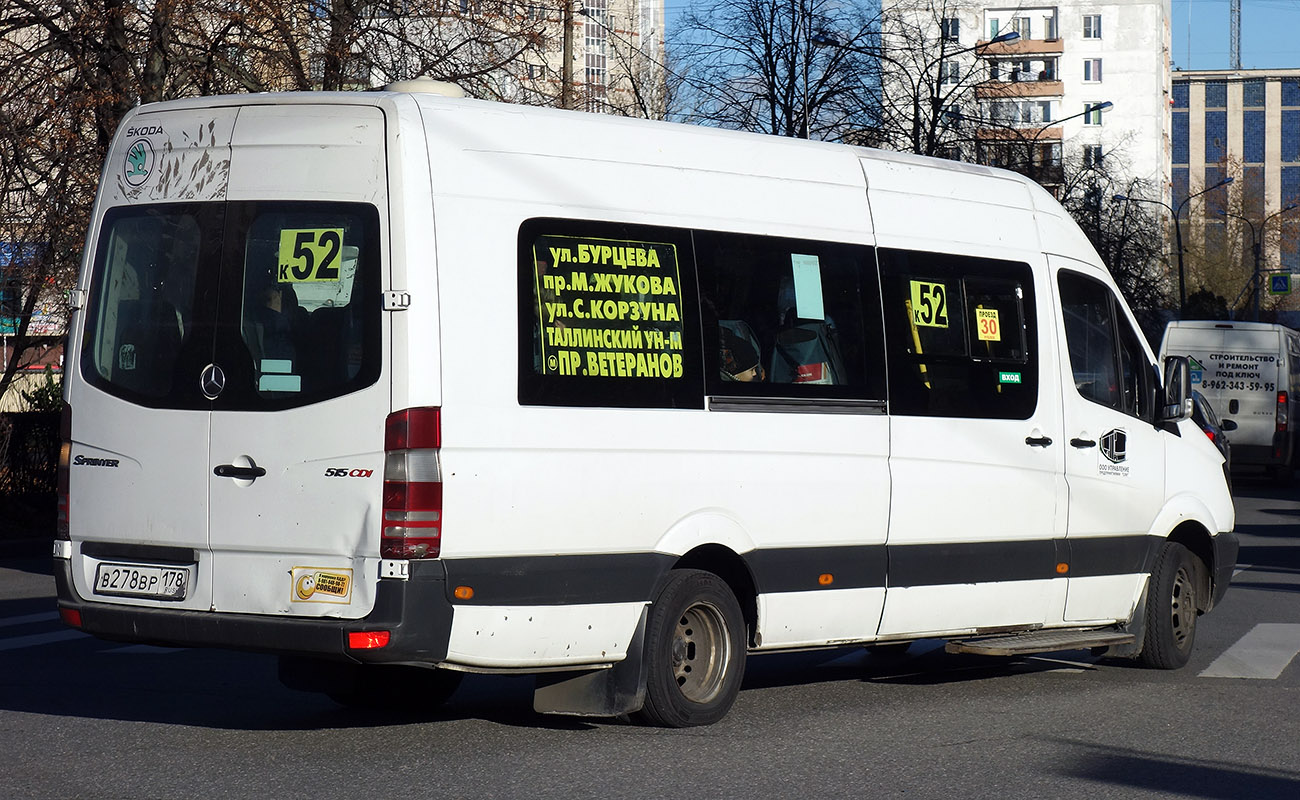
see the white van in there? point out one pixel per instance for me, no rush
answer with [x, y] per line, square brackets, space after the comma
[1250, 374]
[399, 387]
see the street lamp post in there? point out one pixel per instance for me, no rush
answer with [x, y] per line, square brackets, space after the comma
[826, 40]
[1178, 234]
[1255, 234]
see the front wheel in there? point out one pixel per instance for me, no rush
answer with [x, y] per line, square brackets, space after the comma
[1171, 609]
[694, 651]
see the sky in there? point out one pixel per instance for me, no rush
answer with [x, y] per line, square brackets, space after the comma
[1270, 34]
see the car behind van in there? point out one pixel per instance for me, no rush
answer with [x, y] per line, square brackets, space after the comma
[1250, 373]
[398, 387]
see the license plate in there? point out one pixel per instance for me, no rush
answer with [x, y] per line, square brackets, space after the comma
[139, 580]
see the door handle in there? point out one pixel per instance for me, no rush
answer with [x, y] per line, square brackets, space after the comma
[1083, 443]
[1038, 441]
[231, 471]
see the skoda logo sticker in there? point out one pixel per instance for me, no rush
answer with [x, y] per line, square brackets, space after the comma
[212, 381]
[138, 163]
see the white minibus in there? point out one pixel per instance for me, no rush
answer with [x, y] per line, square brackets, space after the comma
[400, 387]
[1250, 374]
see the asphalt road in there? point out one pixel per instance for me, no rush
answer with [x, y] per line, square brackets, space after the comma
[81, 717]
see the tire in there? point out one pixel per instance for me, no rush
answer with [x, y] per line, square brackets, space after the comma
[694, 651]
[374, 687]
[1171, 609]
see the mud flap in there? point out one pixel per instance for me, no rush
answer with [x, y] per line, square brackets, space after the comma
[1137, 625]
[608, 692]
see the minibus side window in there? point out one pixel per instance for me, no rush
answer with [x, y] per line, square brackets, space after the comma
[789, 318]
[960, 333]
[607, 316]
[1106, 356]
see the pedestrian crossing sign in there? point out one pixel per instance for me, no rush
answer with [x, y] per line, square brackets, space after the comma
[1279, 284]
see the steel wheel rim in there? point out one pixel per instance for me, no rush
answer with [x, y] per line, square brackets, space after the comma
[701, 652]
[1182, 609]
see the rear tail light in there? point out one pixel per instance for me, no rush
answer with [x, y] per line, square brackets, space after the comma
[412, 485]
[1281, 412]
[1210, 434]
[62, 530]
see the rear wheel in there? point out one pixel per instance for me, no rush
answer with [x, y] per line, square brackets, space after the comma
[1171, 609]
[694, 651]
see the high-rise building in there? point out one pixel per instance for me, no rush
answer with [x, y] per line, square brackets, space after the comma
[1243, 124]
[1033, 102]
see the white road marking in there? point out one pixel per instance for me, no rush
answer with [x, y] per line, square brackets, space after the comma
[37, 639]
[1263, 652]
[1240, 569]
[30, 618]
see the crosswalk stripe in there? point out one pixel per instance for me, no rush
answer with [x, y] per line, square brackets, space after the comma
[1264, 652]
[30, 618]
[37, 639]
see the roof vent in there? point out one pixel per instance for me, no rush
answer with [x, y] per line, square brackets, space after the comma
[426, 85]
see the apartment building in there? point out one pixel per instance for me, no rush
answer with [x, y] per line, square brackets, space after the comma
[1243, 124]
[1034, 100]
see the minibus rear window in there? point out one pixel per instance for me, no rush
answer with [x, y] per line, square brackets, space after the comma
[283, 297]
[145, 302]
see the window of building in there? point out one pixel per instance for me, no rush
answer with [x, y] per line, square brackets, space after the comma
[994, 27]
[1092, 26]
[1291, 93]
[1092, 114]
[1216, 94]
[950, 72]
[1092, 155]
[1254, 136]
[960, 333]
[1049, 27]
[1180, 136]
[1092, 70]
[950, 28]
[1216, 136]
[1291, 136]
[1022, 26]
[1252, 94]
[1180, 93]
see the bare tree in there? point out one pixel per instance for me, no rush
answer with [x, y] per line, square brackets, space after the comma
[759, 65]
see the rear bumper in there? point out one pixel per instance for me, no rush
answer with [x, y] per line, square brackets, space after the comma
[1226, 546]
[415, 612]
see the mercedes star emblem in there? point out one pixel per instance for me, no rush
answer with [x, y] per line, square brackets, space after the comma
[212, 381]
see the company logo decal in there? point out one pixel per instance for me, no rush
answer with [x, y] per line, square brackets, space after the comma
[1114, 447]
[319, 585]
[86, 461]
[212, 381]
[139, 162]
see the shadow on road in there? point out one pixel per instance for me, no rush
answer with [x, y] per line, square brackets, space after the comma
[1171, 775]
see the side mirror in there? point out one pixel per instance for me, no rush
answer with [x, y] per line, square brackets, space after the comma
[1178, 390]
[1227, 425]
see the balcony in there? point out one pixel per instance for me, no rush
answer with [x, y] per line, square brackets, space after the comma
[995, 90]
[1020, 47]
[1031, 131]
